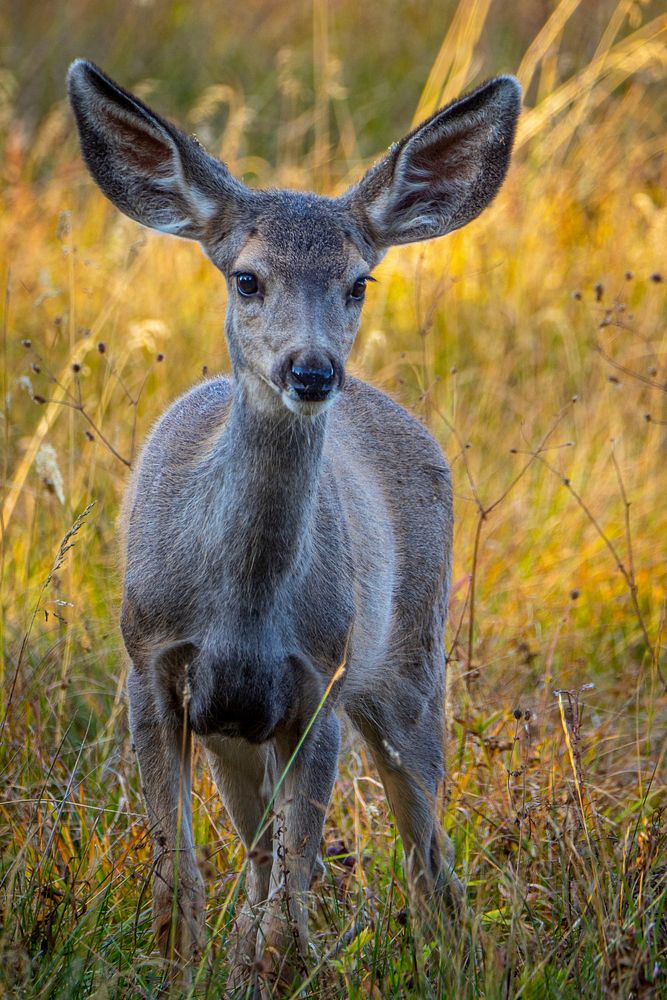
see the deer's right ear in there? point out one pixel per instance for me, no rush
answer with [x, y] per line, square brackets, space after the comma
[444, 173]
[147, 167]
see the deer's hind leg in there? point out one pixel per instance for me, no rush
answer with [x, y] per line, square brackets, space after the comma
[404, 729]
[163, 752]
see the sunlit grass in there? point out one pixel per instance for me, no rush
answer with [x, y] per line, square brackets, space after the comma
[533, 345]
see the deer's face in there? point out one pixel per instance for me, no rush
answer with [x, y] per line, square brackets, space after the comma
[297, 275]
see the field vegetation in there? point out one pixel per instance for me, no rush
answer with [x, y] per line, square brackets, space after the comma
[533, 344]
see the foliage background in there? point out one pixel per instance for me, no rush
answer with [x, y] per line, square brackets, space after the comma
[557, 783]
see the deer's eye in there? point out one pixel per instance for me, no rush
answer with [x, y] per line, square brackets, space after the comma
[358, 289]
[246, 284]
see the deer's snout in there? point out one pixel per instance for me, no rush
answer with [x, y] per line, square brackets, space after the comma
[311, 383]
[310, 376]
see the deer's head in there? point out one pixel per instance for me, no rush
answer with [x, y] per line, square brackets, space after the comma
[297, 265]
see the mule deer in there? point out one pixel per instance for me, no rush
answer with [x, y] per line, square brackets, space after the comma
[288, 519]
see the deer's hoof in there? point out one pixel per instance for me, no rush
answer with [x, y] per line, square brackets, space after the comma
[178, 921]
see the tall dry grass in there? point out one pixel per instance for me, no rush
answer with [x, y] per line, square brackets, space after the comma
[533, 345]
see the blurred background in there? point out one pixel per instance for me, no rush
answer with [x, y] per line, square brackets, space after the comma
[533, 345]
[274, 74]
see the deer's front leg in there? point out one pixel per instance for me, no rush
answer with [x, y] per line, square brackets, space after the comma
[301, 808]
[245, 775]
[164, 761]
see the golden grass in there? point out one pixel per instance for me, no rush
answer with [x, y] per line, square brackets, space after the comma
[557, 627]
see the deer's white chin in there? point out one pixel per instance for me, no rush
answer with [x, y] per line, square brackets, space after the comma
[304, 407]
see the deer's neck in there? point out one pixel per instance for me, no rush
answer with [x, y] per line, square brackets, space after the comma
[271, 463]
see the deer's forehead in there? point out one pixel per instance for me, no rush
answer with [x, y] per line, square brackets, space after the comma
[299, 236]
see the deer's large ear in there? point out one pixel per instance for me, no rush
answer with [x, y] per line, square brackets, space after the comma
[147, 167]
[444, 173]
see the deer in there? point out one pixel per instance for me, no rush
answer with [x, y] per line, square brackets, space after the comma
[287, 531]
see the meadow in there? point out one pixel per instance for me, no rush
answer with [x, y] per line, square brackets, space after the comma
[533, 345]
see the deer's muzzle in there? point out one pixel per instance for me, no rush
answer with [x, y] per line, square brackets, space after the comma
[309, 376]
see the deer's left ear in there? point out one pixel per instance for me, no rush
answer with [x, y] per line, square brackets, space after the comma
[444, 173]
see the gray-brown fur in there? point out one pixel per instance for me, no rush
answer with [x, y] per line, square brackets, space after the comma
[288, 519]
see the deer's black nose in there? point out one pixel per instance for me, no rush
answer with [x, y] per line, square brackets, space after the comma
[312, 377]
[312, 383]
[309, 376]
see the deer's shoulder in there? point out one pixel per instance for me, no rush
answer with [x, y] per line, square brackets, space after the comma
[384, 429]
